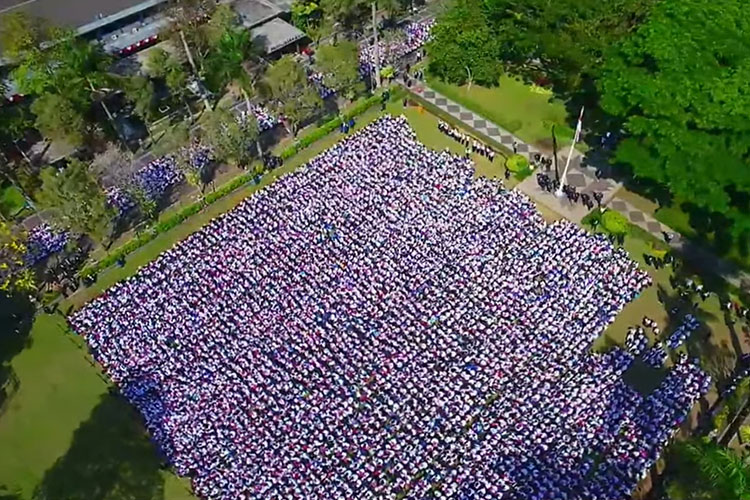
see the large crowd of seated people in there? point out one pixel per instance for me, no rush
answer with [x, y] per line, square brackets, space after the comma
[43, 241]
[266, 120]
[381, 324]
[415, 36]
[158, 176]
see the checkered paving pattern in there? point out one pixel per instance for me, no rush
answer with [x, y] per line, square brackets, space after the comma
[476, 122]
[585, 180]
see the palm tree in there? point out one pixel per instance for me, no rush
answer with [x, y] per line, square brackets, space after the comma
[700, 469]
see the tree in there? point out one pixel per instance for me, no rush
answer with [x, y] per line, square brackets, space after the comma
[702, 470]
[114, 167]
[222, 20]
[306, 14]
[175, 138]
[229, 137]
[15, 121]
[20, 34]
[339, 66]
[75, 200]
[14, 275]
[224, 62]
[139, 90]
[67, 66]
[291, 92]
[463, 41]
[157, 62]
[59, 119]
[679, 86]
[349, 13]
[565, 41]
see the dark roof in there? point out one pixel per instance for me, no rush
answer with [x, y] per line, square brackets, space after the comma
[275, 35]
[255, 12]
[84, 15]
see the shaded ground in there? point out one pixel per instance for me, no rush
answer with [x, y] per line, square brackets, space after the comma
[109, 458]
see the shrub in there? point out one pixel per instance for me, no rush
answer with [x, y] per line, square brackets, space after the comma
[615, 223]
[517, 163]
[721, 418]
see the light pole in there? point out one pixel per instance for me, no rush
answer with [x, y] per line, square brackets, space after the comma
[376, 47]
[564, 178]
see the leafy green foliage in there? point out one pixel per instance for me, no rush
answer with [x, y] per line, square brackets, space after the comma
[517, 163]
[14, 276]
[463, 47]
[347, 12]
[20, 34]
[140, 91]
[230, 138]
[306, 13]
[229, 46]
[702, 470]
[173, 139]
[292, 94]
[59, 119]
[615, 223]
[679, 84]
[75, 200]
[339, 66]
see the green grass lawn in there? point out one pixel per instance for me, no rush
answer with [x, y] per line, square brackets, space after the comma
[11, 201]
[526, 111]
[65, 437]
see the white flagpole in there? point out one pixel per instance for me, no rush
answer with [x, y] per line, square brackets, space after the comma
[564, 177]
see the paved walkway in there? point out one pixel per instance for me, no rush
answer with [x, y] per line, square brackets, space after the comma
[584, 178]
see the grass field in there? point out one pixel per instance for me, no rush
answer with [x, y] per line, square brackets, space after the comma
[11, 201]
[526, 111]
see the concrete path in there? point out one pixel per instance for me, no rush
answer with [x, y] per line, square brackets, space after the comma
[584, 178]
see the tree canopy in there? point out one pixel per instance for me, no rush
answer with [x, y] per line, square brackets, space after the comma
[58, 118]
[230, 138]
[75, 200]
[464, 48]
[292, 94]
[339, 66]
[14, 274]
[563, 42]
[679, 85]
[702, 470]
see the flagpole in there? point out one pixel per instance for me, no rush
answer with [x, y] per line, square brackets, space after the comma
[564, 178]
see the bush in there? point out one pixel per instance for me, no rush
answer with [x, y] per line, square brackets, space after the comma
[517, 163]
[721, 419]
[615, 223]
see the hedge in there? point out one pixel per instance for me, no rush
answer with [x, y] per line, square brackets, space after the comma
[192, 209]
[615, 223]
[329, 127]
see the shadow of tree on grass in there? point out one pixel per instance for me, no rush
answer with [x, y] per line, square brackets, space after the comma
[110, 458]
